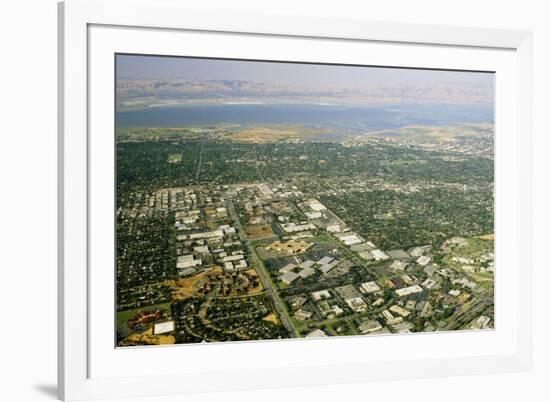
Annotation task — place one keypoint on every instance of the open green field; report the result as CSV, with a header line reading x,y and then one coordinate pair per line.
x,y
122,317
438,133
175,158
475,248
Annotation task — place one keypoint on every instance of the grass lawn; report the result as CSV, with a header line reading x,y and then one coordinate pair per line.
x,y
323,238
175,158
122,317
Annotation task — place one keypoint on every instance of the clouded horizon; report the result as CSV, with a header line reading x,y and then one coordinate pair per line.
x,y
316,75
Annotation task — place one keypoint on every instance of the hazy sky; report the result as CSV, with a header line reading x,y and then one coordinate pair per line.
x,y
155,67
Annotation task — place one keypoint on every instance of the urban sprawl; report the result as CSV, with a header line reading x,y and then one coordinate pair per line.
x,y
222,237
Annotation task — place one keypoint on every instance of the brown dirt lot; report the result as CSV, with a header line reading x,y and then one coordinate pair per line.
x,y
271,317
269,135
147,338
187,287
256,232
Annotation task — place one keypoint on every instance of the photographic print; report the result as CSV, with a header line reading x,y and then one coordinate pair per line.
x,y
267,200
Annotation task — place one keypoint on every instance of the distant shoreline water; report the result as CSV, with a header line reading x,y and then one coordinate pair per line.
x,y
360,117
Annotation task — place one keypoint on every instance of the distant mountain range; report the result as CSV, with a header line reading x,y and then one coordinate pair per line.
x,y
134,92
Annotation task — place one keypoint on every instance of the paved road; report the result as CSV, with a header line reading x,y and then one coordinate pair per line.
x,y
468,313
199,164
262,273
351,256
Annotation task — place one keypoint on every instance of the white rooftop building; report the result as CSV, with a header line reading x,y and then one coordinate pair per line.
x,y
304,273
201,249
206,235
163,327
482,322
316,205
313,215
293,227
327,267
231,258
337,310
429,283
287,268
242,264
409,291
289,277
318,333
418,251
357,304
303,315
423,260
368,327
321,294
370,287
307,264
390,318
351,239
399,310
366,255
398,265
188,263
379,255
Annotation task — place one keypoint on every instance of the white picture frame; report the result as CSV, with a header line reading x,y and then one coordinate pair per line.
x,y
81,23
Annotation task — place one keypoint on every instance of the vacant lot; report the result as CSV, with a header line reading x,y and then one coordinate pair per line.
x,y
271,318
272,134
147,338
258,232
187,287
